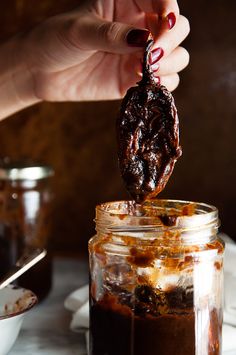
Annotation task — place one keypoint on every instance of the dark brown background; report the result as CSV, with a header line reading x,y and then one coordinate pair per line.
x,y
78,140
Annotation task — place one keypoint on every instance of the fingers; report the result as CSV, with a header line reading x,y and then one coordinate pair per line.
x,y
170,81
166,71
174,63
165,7
91,32
169,40
168,58
161,7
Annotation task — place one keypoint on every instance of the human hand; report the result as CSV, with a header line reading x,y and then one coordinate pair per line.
x,y
93,53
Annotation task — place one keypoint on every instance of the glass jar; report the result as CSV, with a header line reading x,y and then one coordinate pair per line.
x,y
156,279
25,203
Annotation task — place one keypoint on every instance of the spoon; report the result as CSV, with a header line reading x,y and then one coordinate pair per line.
x,y
29,258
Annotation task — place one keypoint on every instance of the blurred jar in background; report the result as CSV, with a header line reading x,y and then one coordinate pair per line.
x,y
25,208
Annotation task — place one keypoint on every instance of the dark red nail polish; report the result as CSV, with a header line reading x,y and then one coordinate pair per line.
x,y
137,38
156,55
155,66
171,20
157,79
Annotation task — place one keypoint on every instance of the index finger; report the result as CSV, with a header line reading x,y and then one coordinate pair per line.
x,y
160,7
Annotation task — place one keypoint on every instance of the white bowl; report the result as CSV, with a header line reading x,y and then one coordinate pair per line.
x,y
14,303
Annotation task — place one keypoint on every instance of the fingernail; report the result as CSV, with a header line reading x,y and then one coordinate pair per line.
x,y
156,55
155,66
137,38
157,79
171,20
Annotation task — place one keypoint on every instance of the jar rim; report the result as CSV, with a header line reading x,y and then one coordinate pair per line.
x,y
127,215
16,173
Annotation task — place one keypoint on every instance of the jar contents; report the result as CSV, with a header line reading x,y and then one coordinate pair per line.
x,y
152,294
151,323
148,135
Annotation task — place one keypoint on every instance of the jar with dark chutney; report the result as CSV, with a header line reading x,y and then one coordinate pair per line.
x,y
156,279
25,205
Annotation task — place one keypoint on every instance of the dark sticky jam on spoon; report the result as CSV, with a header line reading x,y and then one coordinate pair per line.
x,y
148,135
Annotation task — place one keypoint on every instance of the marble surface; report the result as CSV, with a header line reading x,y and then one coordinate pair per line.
x,y
46,328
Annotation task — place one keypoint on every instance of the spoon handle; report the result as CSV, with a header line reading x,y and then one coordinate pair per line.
x,y
29,258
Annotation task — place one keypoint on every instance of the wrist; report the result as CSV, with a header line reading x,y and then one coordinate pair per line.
x,y
16,84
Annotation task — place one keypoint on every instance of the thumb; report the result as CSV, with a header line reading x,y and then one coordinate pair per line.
x,y
94,33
